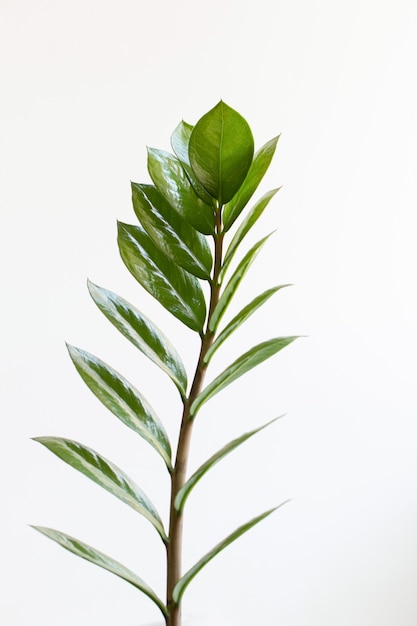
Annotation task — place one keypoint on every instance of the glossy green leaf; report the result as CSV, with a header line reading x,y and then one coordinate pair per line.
x,y
241,317
221,151
175,288
258,168
169,176
234,282
183,494
102,560
180,140
142,333
105,474
243,364
180,241
187,578
122,399
252,216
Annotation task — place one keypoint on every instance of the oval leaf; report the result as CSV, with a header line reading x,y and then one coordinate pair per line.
x,y
170,178
180,140
187,578
92,555
183,493
105,474
122,399
243,364
142,333
221,151
241,317
172,286
180,241
250,219
234,283
259,166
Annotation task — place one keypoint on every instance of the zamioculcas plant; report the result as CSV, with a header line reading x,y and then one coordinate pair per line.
x,y
186,237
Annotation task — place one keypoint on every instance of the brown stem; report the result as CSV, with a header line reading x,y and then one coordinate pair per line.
x,y
178,476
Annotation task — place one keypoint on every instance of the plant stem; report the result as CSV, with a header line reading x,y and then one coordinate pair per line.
x,y
178,476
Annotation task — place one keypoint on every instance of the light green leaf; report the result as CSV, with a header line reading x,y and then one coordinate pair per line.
x,y
187,578
259,166
234,283
183,494
221,151
243,364
122,399
180,140
169,176
241,317
250,219
176,289
143,333
175,237
102,560
105,474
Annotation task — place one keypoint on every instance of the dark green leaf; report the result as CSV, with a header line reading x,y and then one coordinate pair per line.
x,y
142,333
102,560
122,399
180,241
246,225
234,283
180,140
187,578
243,364
183,494
105,474
241,317
259,166
176,289
171,180
221,151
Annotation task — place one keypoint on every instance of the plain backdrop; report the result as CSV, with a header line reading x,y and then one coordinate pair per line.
x,y
85,86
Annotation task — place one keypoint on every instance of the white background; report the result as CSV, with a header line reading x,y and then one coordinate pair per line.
x,y
85,86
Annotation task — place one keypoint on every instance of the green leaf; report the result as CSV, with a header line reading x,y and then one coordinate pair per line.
x,y
180,140
234,283
172,182
175,237
176,289
183,493
143,333
221,151
102,560
122,399
259,166
250,219
187,578
241,317
105,474
243,364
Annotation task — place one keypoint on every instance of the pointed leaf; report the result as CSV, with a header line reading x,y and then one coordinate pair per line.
x,y
187,578
102,560
180,241
105,474
243,364
241,317
221,151
259,166
176,289
142,333
250,219
183,494
169,177
122,399
234,283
